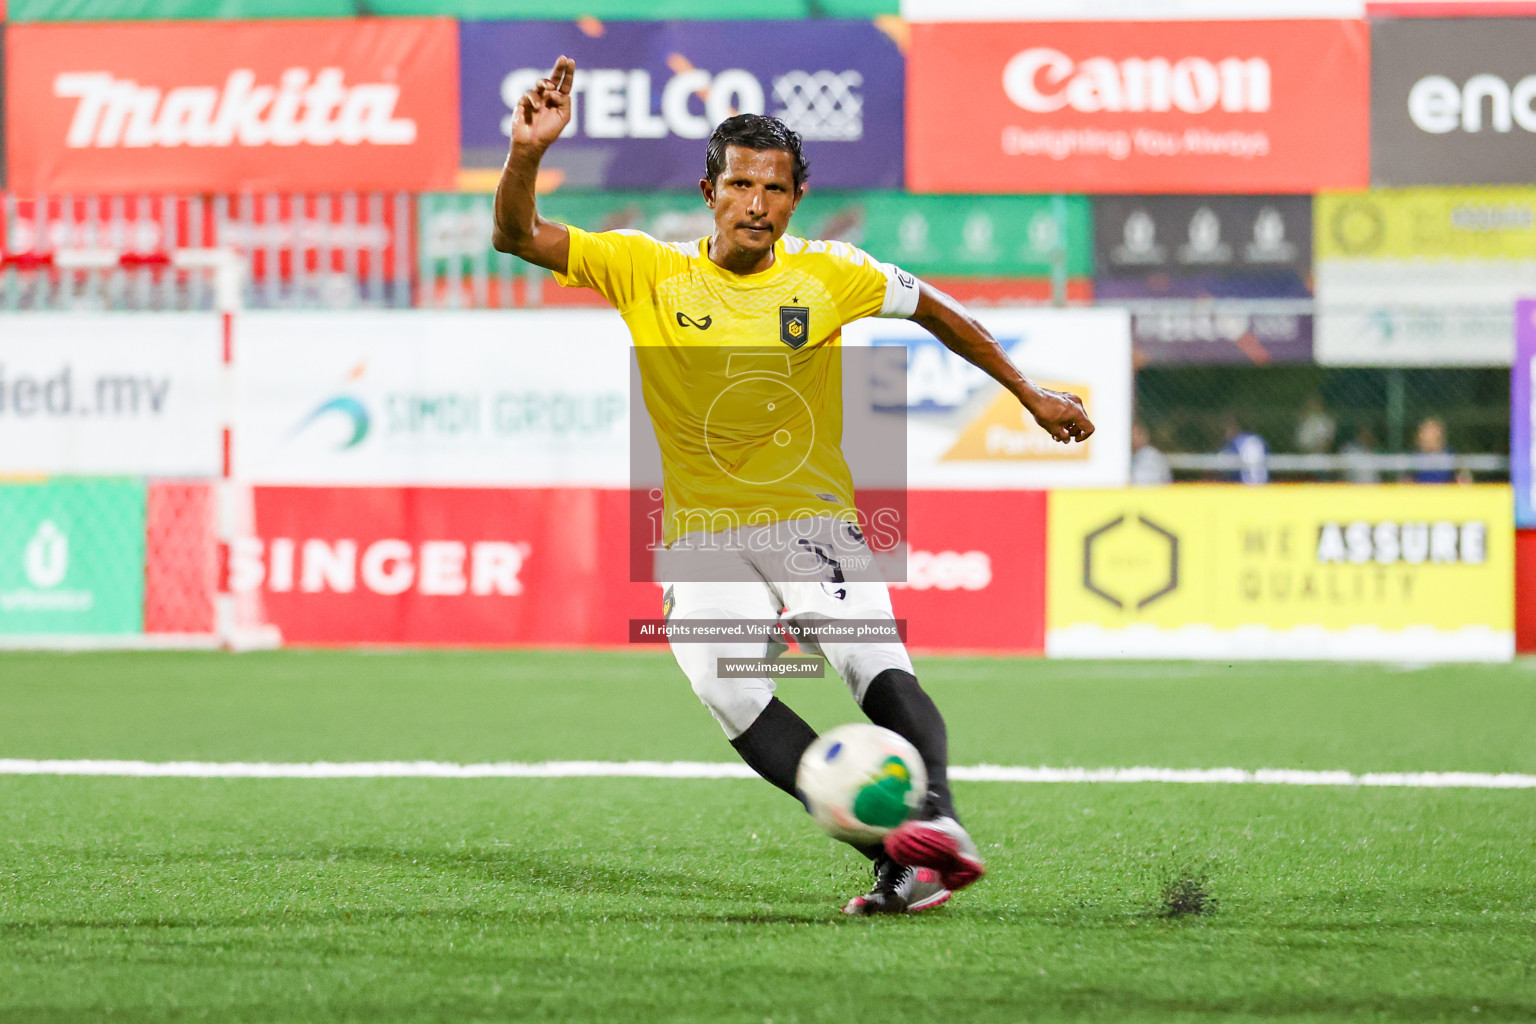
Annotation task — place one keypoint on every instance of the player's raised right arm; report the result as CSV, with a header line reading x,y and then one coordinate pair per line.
x,y
541,115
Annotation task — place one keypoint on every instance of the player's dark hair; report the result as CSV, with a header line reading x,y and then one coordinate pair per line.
x,y
754,131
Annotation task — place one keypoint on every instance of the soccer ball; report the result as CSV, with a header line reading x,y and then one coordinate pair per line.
x,y
860,781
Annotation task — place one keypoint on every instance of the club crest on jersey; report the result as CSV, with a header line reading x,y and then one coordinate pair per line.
x,y
794,325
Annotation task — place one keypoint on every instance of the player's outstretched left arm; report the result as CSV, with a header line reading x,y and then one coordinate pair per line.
x,y
1059,414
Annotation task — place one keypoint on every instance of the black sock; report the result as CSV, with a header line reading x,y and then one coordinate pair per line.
x,y
772,747
895,701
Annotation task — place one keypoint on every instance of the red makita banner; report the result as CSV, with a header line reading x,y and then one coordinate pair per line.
x,y
1176,106
208,106
417,565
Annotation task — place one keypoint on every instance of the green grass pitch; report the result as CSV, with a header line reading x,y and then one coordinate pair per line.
x,y
716,901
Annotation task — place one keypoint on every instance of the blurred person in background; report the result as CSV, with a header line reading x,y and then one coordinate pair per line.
x,y
1250,449
1316,429
1149,466
1357,453
749,285
1429,439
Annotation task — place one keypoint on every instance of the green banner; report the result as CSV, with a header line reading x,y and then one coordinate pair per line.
x,y
934,236
624,10
72,557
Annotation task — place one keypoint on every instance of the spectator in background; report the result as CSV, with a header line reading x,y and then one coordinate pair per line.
x,y
1429,439
1316,429
1357,453
1149,467
1251,451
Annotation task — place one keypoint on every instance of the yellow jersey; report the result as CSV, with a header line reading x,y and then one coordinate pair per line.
x,y
741,374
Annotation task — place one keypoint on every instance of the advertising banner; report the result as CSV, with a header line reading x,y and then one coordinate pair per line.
x,y
71,558
932,236
512,399
296,246
1451,101
1400,572
965,431
102,393
1209,278
217,106
1522,471
335,565
975,571
648,94
1422,277
1170,106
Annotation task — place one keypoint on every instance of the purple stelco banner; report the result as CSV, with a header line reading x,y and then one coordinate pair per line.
x,y
647,96
1521,473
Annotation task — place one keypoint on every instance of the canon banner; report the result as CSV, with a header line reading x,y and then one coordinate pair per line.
x,y
647,96
509,399
1209,278
104,393
214,106
1453,101
1238,106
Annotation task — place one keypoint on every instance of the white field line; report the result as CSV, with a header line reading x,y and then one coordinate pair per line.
x,y
723,770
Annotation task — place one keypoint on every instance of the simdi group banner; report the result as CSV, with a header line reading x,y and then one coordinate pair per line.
x,y
1453,101
1422,276
1138,107
1209,278
1405,572
647,95
965,431
104,393
224,107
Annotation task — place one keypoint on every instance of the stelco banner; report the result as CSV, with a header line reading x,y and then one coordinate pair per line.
x,y
229,107
1209,278
1220,106
104,393
1453,102
965,431
647,95
1403,572
1522,395
511,399
1422,276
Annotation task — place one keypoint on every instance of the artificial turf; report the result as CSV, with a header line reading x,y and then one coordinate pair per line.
x,y
631,899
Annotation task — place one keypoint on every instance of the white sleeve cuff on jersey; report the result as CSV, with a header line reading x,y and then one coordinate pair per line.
x,y
900,292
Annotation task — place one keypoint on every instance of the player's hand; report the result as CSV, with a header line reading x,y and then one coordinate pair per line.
x,y
1061,415
543,111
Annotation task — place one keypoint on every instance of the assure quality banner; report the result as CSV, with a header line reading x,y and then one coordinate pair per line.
x,y
1172,106
403,397
1422,276
223,106
965,431
104,393
1401,572
647,95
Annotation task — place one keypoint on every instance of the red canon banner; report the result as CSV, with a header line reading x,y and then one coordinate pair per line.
x,y
1178,106
220,106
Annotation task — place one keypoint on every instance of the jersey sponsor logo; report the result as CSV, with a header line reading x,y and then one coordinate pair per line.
x,y
684,320
794,325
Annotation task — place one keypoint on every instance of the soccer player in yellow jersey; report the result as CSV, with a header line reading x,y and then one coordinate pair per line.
x,y
737,338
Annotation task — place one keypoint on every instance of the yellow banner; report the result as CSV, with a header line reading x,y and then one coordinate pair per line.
x,y
1426,223
1301,560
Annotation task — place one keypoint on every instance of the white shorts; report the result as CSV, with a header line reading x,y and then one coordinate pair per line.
x,y
802,572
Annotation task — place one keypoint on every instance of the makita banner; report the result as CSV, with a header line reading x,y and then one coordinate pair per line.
x,y
1209,278
647,95
230,107
1452,101
1220,106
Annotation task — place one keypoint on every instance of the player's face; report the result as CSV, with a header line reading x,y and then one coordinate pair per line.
x,y
753,197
